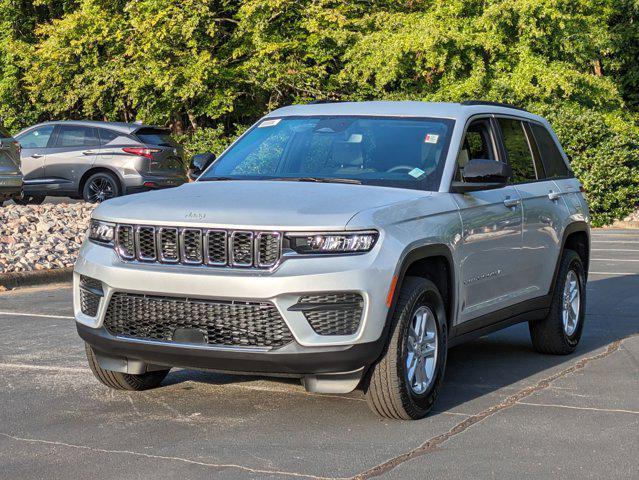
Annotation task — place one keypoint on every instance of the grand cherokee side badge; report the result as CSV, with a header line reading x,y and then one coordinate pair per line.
x,y
482,277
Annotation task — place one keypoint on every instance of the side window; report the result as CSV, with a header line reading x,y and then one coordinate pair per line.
x,y
107,136
550,155
477,144
36,138
77,136
519,154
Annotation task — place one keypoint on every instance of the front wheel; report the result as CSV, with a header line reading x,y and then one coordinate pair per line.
x,y
406,381
560,332
124,381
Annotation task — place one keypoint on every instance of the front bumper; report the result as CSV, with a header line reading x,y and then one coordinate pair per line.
x,y
292,359
369,275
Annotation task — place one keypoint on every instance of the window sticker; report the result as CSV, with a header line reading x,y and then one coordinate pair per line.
x,y
431,138
269,123
416,172
355,138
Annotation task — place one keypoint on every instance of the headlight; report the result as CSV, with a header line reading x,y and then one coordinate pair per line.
x,y
101,232
317,243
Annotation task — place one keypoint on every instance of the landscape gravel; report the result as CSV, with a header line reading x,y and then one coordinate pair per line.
x,y
41,237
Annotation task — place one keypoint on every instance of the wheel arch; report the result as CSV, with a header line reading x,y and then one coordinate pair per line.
x,y
576,236
92,170
433,262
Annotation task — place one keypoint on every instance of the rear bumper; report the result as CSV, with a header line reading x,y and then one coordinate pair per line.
x,y
143,183
293,359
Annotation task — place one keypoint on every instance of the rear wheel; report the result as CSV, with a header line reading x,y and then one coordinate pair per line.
x,y
101,186
560,332
26,199
406,381
124,381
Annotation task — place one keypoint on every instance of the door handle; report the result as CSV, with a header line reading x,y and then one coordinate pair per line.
x,y
511,202
37,155
88,152
554,196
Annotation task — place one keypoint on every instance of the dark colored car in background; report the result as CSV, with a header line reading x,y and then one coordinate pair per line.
x,y
10,176
97,160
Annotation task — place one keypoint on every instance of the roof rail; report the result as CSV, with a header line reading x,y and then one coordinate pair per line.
x,y
325,100
493,104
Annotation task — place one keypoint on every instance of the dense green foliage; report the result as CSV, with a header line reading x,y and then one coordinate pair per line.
x,y
207,67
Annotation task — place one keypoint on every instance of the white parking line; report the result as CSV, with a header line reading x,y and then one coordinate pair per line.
x,y
43,368
615,241
611,410
613,250
613,273
614,260
23,314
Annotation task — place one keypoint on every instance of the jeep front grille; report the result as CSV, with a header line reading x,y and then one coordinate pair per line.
x,y
217,322
198,246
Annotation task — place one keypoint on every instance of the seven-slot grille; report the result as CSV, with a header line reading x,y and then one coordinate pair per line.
x,y
198,246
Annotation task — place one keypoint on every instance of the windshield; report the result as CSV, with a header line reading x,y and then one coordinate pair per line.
x,y
393,152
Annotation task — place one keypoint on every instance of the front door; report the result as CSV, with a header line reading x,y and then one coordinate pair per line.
x,y
34,150
490,246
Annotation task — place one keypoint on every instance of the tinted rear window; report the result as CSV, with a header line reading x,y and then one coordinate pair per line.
x,y
76,136
155,136
550,155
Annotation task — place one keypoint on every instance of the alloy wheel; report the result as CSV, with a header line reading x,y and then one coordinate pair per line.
x,y
571,303
100,189
421,350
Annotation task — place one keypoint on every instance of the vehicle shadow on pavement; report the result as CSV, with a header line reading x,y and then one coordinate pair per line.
x,y
503,361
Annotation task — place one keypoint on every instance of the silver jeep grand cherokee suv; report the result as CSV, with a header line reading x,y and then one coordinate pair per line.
x,y
97,160
345,244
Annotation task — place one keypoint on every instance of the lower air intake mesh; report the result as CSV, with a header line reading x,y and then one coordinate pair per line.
x,y
236,324
337,313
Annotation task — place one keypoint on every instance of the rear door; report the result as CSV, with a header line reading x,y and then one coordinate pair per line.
x,y
559,172
34,145
168,156
73,153
543,211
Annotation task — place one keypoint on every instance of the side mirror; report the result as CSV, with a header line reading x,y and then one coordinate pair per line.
x,y
482,174
199,163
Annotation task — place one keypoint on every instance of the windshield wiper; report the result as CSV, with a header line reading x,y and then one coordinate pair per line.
x,y
317,179
215,179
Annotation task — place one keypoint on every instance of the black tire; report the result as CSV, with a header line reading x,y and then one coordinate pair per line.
x,y
29,199
101,186
388,389
549,335
124,381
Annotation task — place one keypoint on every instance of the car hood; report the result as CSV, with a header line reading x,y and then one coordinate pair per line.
x,y
272,205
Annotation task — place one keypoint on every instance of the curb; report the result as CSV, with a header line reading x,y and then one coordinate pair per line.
x,y
622,224
36,277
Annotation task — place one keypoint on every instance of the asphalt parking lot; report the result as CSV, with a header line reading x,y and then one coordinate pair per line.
x,y
505,411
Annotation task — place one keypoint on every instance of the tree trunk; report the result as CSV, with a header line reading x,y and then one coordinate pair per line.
x,y
598,68
193,120
177,126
